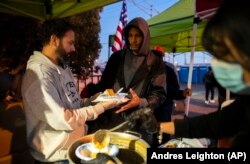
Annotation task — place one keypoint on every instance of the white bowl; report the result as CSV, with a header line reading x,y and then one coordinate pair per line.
x,y
112,151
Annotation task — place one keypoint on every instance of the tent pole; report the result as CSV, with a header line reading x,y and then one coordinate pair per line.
x,y
173,58
190,73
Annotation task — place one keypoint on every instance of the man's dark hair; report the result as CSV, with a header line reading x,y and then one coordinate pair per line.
x,y
57,27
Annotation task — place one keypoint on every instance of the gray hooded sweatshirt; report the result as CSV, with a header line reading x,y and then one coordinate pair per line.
x,y
54,114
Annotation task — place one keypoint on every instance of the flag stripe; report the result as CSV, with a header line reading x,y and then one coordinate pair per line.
x,y
118,39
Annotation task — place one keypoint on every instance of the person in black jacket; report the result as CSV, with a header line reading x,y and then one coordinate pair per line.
x,y
136,69
222,93
164,112
226,37
209,86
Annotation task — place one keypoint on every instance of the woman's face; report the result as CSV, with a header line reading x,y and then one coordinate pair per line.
x,y
236,56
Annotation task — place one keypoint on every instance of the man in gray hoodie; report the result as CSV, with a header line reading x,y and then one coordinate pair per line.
x,y
54,112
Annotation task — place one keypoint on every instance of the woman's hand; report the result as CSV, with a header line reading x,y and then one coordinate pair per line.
x,y
167,127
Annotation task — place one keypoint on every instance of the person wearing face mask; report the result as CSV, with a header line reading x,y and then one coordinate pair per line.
x,y
138,70
226,37
55,114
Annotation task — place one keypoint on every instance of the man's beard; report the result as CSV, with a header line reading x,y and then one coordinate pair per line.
x,y
63,58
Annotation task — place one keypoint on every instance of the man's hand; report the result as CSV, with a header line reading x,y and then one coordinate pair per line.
x,y
109,104
134,102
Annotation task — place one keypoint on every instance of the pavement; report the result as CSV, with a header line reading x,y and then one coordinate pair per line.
x,y
197,104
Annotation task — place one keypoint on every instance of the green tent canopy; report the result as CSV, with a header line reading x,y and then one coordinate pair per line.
x,y
48,9
173,28
179,29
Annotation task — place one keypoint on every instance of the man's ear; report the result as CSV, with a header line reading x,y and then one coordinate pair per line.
x,y
54,40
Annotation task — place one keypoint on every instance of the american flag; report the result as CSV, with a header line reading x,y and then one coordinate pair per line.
x,y
118,39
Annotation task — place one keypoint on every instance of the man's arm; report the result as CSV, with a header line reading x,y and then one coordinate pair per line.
x,y
43,100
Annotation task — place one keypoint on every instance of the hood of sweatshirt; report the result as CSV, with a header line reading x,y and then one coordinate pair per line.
x,y
142,25
39,58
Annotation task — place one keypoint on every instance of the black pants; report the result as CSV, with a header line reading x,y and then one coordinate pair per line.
x,y
209,88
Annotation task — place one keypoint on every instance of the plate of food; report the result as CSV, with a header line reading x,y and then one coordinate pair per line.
x,y
100,144
186,143
109,94
85,151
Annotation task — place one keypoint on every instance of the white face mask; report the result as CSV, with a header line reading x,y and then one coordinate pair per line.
x,y
230,76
